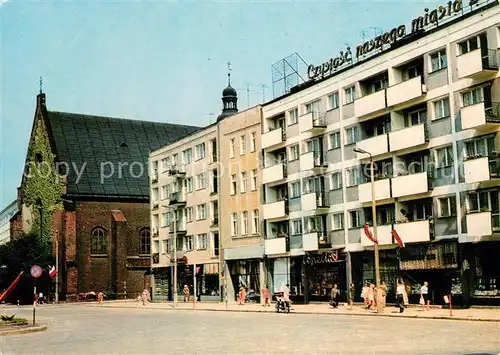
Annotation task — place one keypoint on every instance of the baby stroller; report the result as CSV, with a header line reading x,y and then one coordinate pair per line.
x,y
282,306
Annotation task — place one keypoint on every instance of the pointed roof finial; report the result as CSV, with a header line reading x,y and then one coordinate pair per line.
x,y
41,85
229,73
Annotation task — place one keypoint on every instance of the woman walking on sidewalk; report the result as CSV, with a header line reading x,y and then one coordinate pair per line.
x,y
424,296
401,296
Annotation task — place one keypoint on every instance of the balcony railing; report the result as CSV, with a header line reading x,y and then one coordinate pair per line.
x,y
479,116
375,145
180,227
408,137
273,137
480,168
315,239
274,210
176,198
476,63
405,91
312,200
176,170
370,104
276,246
274,173
479,224
411,184
312,121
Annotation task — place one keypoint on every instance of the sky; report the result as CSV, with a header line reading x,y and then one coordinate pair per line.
x,y
162,61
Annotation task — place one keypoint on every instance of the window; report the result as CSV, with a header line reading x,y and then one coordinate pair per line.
x,y
378,84
355,219
167,245
350,95
164,219
189,184
189,214
468,45
201,241
231,148
164,164
447,206
156,223
200,151
189,242
187,156
201,182
479,200
297,226
293,117
253,183
98,242
353,176
233,184
255,221
175,159
145,241
351,135
480,147
336,180
416,117
295,189
234,224
472,97
438,60
244,223
442,108
444,156
201,211
333,100
252,141
335,140
154,194
243,145
243,182
315,223
164,192
313,107
293,152
337,221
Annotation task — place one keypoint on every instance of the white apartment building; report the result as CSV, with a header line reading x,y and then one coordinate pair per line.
x,y
426,106
184,216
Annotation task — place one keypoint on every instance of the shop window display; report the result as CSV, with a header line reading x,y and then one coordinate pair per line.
x,y
246,273
207,280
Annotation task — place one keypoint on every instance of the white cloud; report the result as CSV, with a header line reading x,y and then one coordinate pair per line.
x,y
3,2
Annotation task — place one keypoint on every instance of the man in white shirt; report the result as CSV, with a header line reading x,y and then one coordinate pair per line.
x,y
285,290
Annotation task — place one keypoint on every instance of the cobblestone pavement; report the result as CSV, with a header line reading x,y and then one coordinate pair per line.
x,y
118,330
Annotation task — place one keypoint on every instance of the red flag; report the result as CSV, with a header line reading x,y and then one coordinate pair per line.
x,y
398,239
11,287
369,234
52,272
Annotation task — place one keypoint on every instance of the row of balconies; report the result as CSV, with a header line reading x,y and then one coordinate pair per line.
x,y
479,224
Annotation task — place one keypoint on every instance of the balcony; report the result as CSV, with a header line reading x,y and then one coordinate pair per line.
x,y
176,199
479,169
311,160
413,232
275,210
178,228
477,64
405,91
382,191
412,184
313,200
312,122
369,104
479,224
479,117
176,171
384,236
315,240
375,145
273,138
275,246
408,137
274,173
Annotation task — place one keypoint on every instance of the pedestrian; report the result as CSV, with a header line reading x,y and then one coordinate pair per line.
x,y
401,296
40,297
242,295
371,297
424,296
265,296
383,294
365,294
334,294
285,292
145,297
352,292
100,297
186,293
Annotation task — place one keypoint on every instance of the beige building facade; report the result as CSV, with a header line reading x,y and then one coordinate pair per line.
x,y
240,226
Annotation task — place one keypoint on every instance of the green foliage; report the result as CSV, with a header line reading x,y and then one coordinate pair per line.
x,y
7,318
42,183
11,321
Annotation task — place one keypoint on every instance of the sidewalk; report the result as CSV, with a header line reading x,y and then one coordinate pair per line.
x,y
473,314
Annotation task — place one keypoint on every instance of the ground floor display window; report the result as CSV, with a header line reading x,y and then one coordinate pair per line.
x,y
281,273
162,283
207,280
322,277
245,273
185,277
487,270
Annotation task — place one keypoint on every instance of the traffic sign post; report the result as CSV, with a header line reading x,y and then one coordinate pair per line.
x,y
36,272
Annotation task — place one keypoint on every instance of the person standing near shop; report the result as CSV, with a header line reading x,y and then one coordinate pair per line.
x,y
424,296
401,296
265,296
352,292
334,294
383,293
186,293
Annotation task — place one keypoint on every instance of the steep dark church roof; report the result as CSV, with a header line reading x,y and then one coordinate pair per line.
x,y
105,145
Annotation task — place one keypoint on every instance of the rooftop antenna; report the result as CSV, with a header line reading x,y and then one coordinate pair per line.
x,y
229,73
210,115
41,85
248,95
264,93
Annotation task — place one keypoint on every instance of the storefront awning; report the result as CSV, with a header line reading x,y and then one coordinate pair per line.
x,y
247,252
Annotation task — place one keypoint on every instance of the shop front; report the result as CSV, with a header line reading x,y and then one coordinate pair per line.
x,y
325,270
161,285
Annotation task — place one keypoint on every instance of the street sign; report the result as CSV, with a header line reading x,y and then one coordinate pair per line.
x,y
36,271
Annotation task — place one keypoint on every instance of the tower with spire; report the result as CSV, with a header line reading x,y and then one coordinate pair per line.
x,y
229,98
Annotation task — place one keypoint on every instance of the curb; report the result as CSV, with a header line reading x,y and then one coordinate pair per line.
x,y
32,329
319,313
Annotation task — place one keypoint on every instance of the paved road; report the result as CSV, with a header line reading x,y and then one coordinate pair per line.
x,y
94,330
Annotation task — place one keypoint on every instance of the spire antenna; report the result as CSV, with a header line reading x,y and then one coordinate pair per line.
x,y
41,85
229,73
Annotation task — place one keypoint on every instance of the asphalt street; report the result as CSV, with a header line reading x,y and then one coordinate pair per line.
x,y
94,330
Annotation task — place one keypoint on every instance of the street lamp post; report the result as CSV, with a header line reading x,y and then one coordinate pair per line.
x,y
174,224
375,236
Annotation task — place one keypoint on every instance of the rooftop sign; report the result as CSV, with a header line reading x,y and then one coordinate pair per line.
x,y
431,19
